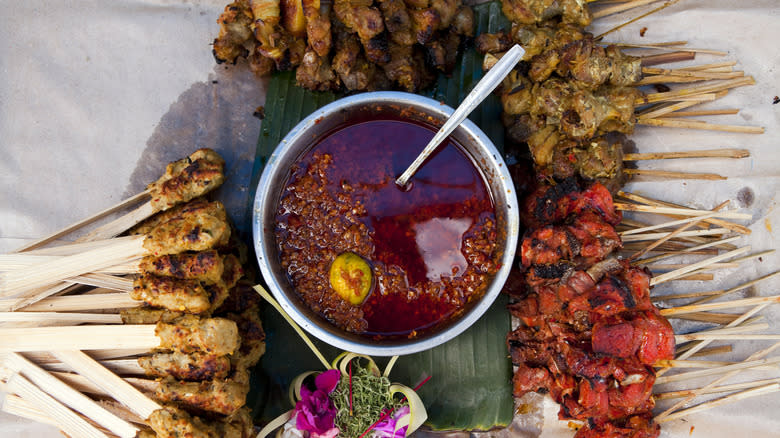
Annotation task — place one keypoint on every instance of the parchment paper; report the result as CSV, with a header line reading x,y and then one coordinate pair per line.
x,y
97,96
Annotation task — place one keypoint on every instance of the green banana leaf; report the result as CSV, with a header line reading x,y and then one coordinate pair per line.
x,y
470,385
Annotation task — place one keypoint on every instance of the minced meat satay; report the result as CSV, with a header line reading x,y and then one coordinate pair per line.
x,y
187,179
252,338
192,366
536,11
235,37
194,207
190,232
315,72
318,27
397,21
221,396
148,315
204,266
187,296
355,72
368,23
189,334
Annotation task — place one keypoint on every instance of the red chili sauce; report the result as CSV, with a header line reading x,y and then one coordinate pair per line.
x,y
431,246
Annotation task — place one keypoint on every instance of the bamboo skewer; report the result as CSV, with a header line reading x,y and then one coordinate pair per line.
x,y
656,236
716,65
768,389
693,267
704,352
92,337
718,306
673,266
635,19
698,364
717,389
716,371
687,223
738,288
666,58
708,317
624,6
84,222
60,317
674,223
680,211
692,91
40,275
67,395
745,337
122,367
67,420
674,175
75,303
697,124
717,332
686,251
711,153
109,382
120,224
753,357
15,405
721,112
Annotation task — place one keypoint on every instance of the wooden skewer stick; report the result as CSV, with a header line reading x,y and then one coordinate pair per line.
x,y
673,266
655,236
667,58
700,364
18,281
736,288
704,352
688,223
711,66
686,251
84,222
745,337
711,153
674,223
674,175
679,211
742,329
60,317
635,19
664,109
15,405
688,78
682,271
70,422
67,395
652,202
675,47
109,382
686,347
716,371
717,389
709,317
122,367
44,358
624,6
762,390
692,91
93,337
719,306
753,357
738,260
696,277
721,112
120,224
75,303
697,124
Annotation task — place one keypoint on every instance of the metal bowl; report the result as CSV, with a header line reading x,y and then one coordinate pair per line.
x,y
306,134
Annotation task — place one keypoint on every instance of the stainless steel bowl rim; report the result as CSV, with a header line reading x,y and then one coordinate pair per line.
x,y
368,346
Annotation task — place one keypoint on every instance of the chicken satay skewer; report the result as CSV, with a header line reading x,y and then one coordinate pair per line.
x,y
218,336
67,395
183,180
192,232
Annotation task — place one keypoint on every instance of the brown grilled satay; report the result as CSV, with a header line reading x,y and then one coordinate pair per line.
x,y
536,11
366,20
192,366
318,27
315,72
147,315
194,207
220,396
171,422
187,296
350,64
204,266
397,21
425,22
187,179
235,37
189,334
252,338
191,232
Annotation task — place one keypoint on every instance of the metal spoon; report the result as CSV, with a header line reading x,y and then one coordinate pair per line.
x,y
484,87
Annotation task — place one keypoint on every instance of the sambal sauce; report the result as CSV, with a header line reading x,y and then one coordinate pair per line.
x,y
431,246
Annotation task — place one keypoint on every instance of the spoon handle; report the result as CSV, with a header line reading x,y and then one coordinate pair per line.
x,y
484,87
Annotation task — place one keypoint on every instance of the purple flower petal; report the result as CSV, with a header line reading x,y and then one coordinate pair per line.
x,y
328,380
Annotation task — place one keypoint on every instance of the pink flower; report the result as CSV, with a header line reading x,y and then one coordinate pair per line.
x,y
315,412
386,428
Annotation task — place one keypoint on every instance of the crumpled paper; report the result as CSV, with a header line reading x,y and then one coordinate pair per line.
x,y
97,96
